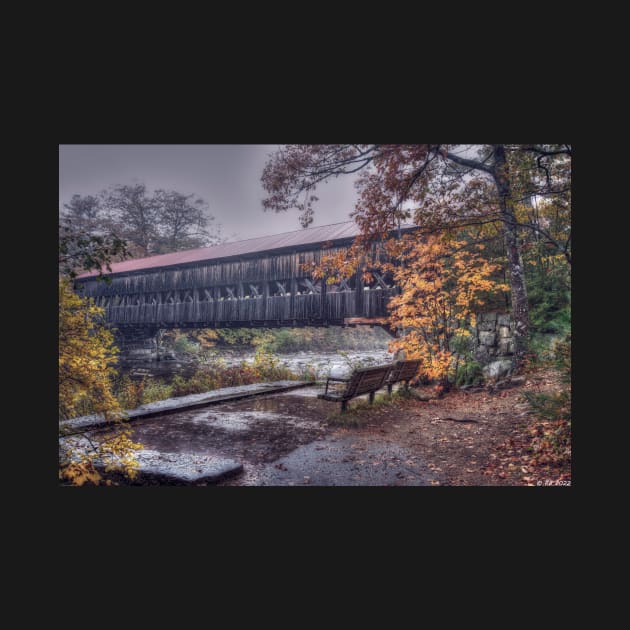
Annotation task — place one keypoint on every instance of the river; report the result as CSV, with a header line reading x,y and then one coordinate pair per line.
x,y
324,364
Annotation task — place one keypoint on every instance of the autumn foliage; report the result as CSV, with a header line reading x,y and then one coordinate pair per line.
x,y
87,355
442,188
443,284
86,366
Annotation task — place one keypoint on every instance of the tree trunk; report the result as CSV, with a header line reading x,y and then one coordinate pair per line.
x,y
520,305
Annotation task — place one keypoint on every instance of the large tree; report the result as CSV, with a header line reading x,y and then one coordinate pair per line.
x,y
133,214
438,187
84,212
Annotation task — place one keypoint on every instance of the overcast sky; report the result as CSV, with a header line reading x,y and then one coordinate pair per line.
x,y
227,177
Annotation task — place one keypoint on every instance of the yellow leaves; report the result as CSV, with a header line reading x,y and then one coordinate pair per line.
x,y
442,282
205,337
87,357
86,354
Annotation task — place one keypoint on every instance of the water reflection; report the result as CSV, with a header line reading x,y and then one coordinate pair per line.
x,y
260,428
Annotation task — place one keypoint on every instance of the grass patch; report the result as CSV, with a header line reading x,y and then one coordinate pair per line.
x,y
155,390
131,393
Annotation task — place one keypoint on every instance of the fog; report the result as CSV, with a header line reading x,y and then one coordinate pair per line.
x,y
227,177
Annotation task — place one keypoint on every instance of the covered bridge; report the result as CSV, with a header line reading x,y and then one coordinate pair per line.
x,y
261,281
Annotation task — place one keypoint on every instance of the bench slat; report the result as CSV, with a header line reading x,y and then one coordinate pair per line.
x,y
404,370
370,380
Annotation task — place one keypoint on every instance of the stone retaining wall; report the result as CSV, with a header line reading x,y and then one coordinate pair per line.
x,y
493,337
493,344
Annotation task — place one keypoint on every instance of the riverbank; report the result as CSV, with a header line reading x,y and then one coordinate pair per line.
x,y
320,364
181,403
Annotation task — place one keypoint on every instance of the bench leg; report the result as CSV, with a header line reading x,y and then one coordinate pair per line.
x,y
344,406
389,389
372,397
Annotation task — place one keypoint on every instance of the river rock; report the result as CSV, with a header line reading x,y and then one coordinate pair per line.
x,y
338,370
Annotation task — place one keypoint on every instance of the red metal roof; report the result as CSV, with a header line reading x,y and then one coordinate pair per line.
x,y
321,234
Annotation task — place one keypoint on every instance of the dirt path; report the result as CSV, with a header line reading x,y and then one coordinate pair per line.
x,y
463,439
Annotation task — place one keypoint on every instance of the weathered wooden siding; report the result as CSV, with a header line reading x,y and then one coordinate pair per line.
x,y
332,308
263,290
262,269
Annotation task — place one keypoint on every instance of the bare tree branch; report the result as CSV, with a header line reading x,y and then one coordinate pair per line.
x,y
474,164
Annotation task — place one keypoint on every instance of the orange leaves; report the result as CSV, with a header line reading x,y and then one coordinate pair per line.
x,y
335,266
442,282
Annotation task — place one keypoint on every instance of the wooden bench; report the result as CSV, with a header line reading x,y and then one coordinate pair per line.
x,y
402,371
363,381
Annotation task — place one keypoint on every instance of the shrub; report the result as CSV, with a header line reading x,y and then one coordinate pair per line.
x,y
307,372
128,392
155,390
469,372
210,377
183,345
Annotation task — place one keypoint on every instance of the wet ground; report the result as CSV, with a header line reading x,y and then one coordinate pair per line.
x,y
282,439
466,438
340,460
181,403
254,431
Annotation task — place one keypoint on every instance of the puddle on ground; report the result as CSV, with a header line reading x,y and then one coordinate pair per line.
x,y
258,429
281,439
243,420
